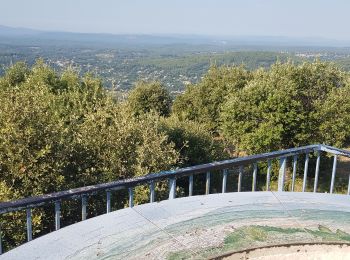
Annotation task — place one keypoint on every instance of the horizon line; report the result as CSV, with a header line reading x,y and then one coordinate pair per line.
x,y
159,34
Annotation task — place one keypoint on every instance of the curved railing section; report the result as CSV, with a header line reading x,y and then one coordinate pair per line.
x,y
28,204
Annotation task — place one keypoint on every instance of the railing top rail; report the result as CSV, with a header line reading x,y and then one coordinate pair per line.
x,y
334,150
122,184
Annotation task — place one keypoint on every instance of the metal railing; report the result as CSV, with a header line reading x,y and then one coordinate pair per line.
x,y
28,204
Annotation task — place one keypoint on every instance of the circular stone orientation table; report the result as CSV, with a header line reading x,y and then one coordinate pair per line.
x,y
202,227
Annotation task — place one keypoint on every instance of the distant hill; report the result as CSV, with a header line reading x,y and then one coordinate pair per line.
x,y
8,33
31,36
12,31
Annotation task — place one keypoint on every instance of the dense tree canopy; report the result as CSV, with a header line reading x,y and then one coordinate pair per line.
x,y
63,130
194,142
284,107
202,102
149,96
59,132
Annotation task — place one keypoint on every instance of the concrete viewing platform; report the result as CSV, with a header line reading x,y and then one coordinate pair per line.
x,y
205,226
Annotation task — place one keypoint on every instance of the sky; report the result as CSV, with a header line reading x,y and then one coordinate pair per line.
x,y
292,18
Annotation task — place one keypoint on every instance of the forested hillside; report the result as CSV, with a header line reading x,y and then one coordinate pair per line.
x,y
60,130
121,65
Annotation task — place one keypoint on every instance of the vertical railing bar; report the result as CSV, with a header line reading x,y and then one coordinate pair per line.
x,y
57,215
255,171
131,197
306,165
108,201
207,184
349,186
190,186
240,175
295,161
282,173
224,180
317,170
29,224
152,193
333,173
172,188
1,239
268,177
83,207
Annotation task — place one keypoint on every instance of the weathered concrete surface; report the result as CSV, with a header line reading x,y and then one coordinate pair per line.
x,y
198,227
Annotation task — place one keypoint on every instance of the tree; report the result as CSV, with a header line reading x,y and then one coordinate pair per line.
x,y
335,114
202,102
15,75
149,96
193,140
279,108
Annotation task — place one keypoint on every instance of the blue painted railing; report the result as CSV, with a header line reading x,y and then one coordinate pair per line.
x,y
28,204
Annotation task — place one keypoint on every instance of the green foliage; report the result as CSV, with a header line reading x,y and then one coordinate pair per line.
x,y
335,114
284,107
30,135
146,97
202,102
193,140
15,74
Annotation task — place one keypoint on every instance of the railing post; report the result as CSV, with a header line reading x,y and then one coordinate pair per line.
x,y
57,215
131,197
224,180
282,173
333,173
239,185
172,188
349,186
190,186
255,172
268,176
0,239
317,170
83,207
295,161
207,184
306,166
152,193
29,224
108,201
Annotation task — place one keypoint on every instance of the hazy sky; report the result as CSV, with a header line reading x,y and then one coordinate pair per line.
x,y
300,18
